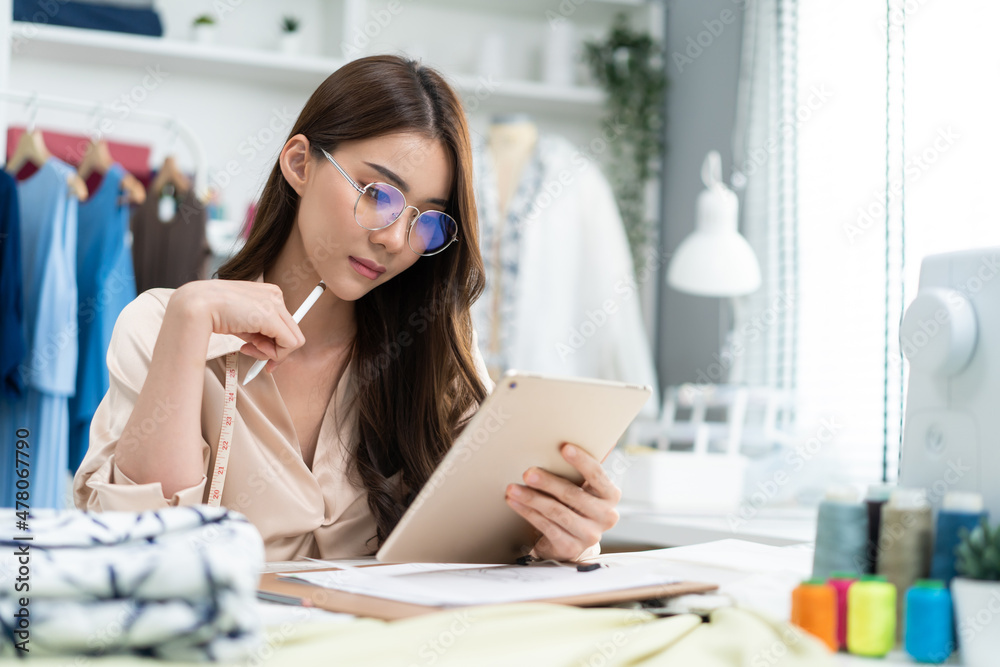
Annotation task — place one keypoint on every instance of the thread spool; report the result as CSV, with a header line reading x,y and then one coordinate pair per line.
x,y
814,609
930,633
877,496
959,509
840,582
905,544
871,616
841,534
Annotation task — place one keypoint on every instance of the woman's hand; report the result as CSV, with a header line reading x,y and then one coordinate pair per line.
x,y
570,518
250,310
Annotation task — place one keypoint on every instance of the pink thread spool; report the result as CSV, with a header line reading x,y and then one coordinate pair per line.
x,y
841,581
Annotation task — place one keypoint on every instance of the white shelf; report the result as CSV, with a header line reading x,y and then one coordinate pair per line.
x,y
98,47
92,47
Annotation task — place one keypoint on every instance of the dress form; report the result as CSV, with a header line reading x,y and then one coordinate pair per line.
x,y
512,141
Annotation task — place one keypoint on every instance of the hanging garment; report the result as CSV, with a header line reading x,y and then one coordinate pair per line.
x,y
561,294
105,285
12,344
169,253
48,259
178,583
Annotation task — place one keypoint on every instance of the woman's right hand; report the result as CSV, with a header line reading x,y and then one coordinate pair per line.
x,y
250,310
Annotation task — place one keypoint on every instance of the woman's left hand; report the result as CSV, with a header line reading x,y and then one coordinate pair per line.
x,y
570,518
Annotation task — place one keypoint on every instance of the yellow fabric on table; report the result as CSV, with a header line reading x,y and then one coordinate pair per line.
x,y
526,635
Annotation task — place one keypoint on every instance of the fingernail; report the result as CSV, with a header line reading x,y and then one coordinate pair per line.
x,y
532,477
570,450
517,492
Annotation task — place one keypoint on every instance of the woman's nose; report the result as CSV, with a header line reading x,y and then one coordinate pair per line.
x,y
393,237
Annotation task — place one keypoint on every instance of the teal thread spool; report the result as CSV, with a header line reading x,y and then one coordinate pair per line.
x,y
905,544
929,627
841,534
959,509
871,616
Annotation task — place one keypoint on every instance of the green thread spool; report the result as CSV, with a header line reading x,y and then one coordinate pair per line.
x,y
905,544
871,616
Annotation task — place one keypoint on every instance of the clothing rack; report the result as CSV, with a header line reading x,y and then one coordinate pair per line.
x,y
157,118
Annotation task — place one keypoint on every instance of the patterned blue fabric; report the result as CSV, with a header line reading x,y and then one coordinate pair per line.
x,y
178,583
105,285
12,345
500,242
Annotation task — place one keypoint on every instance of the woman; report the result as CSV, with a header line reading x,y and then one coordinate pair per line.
x,y
363,398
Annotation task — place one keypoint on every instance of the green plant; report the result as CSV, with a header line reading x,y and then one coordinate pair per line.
x,y
290,24
204,19
629,66
978,552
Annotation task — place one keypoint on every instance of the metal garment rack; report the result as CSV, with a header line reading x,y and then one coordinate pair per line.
x,y
169,122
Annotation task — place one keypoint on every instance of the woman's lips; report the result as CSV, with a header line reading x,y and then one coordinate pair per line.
x,y
364,270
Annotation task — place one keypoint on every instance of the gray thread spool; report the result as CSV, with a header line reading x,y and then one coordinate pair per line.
x,y
904,549
841,533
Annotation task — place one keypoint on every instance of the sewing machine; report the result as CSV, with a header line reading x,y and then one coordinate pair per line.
x,y
950,334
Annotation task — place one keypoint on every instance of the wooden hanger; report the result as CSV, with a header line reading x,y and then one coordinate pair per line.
x,y
31,148
98,158
170,174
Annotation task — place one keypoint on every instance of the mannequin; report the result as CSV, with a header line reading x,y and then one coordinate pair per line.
x,y
512,142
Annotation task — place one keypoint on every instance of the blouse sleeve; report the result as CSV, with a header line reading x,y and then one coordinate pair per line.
x,y
99,485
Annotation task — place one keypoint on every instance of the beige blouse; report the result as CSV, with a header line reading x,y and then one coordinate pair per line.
x,y
300,512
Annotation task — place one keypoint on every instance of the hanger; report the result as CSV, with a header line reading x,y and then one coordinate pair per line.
x,y
98,158
170,174
31,148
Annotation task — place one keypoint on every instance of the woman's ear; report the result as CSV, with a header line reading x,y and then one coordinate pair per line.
x,y
294,161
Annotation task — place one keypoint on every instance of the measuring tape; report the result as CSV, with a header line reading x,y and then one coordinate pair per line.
x,y
226,435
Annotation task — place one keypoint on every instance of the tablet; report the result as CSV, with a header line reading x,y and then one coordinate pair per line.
x,y
460,515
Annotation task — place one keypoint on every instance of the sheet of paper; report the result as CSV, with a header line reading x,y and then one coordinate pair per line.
x,y
489,585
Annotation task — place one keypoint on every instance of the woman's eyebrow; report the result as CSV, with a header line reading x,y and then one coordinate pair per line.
x,y
400,183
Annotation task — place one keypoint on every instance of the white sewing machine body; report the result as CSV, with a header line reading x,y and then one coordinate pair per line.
x,y
951,336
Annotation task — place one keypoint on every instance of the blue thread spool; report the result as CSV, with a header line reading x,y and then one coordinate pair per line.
x,y
841,534
929,630
959,510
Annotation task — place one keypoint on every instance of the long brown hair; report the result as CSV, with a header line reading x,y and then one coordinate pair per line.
x,y
412,354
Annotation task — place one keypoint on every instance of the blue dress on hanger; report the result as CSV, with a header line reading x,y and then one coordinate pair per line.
x,y
48,259
105,285
11,300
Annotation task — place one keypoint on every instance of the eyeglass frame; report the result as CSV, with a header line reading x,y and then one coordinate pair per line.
x,y
361,191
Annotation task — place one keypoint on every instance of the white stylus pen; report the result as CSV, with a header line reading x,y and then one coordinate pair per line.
x,y
299,314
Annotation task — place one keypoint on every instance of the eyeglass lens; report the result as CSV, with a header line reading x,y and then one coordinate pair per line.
x,y
381,204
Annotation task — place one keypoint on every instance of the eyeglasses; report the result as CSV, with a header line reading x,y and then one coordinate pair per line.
x,y
380,204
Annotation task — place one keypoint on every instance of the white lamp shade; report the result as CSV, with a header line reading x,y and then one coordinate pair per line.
x,y
714,264
715,260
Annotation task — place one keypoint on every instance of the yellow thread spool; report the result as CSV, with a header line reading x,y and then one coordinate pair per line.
x,y
871,616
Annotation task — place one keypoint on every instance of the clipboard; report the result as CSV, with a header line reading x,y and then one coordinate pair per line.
x,y
280,589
